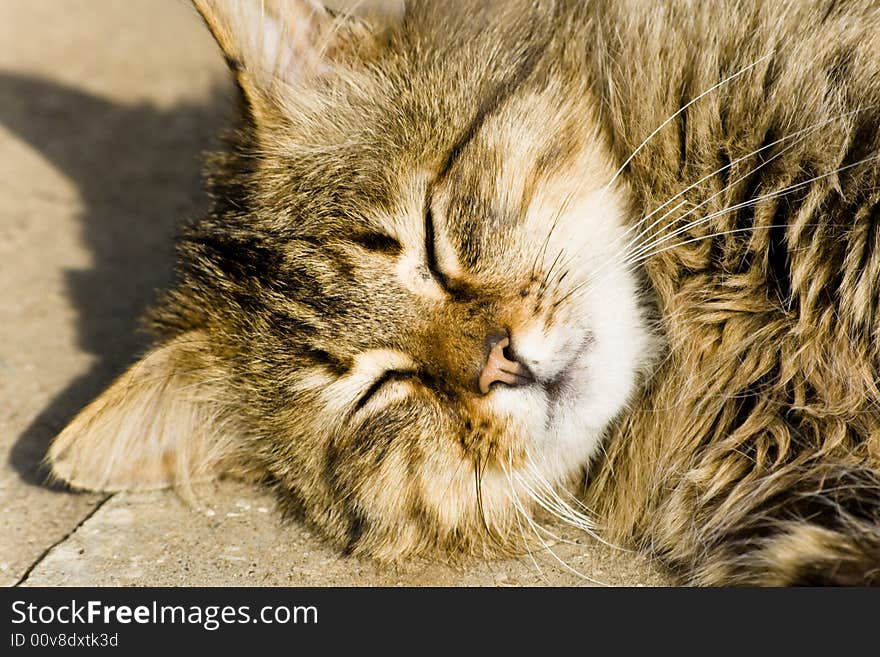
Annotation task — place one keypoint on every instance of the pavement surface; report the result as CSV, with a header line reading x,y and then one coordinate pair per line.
x,y
105,107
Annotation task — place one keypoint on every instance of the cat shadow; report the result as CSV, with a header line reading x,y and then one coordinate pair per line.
x,y
136,168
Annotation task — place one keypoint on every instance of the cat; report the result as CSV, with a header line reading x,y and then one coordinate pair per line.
x,y
468,260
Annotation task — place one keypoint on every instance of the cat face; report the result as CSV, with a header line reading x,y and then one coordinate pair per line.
x,y
407,307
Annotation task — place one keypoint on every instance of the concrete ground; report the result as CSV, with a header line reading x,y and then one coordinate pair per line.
x,y
104,109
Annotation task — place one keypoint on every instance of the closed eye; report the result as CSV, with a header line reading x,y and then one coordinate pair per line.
x,y
456,288
389,376
431,249
377,242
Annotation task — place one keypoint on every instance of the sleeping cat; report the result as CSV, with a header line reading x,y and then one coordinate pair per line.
x,y
464,256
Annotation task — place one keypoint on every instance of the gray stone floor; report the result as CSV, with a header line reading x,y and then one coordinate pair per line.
x,y
104,108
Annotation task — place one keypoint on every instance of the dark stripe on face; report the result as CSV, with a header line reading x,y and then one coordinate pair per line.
x,y
378,242
292,327
315,248
299,283
335,470
356,529
240,254
437,386
488,107
338,366
457,289
234,64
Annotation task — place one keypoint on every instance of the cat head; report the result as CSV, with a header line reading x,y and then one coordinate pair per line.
x,y
406,307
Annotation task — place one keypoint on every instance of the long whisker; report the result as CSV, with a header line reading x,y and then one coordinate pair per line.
x,y
546,280
551,502
554,492
726,80
660,127
541,255
612,260
554,509
574,498
641,254
537,529
640,223
478,485
559,507
732,231
758,199
520,512
803,132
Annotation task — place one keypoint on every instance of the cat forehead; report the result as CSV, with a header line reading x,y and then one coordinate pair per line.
x,y
435,82
482,135
372,166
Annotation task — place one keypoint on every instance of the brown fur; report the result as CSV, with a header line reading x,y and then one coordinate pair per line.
x,y
753,453
753,457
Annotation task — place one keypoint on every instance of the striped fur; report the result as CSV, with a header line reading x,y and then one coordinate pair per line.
x,y
403,185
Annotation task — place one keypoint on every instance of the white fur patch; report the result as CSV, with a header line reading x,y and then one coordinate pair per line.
x,y
413,274
597,341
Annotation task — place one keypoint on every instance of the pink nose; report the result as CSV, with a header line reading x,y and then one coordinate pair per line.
x,y
499,369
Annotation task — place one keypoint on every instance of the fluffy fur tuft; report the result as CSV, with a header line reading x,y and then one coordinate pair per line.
x,y
753,457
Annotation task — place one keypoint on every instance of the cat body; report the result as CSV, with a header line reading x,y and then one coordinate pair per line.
x,y
755,452
460,255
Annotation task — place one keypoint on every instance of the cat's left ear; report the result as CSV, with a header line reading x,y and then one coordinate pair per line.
x,y
270,44
161,423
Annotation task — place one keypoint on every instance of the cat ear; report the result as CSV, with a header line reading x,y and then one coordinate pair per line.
x,y
157,425
268,43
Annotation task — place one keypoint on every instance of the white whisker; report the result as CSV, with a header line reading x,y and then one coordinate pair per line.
x,y
750,202
561,509
682,109
645,252
614,259
537,529
522,533
798,133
